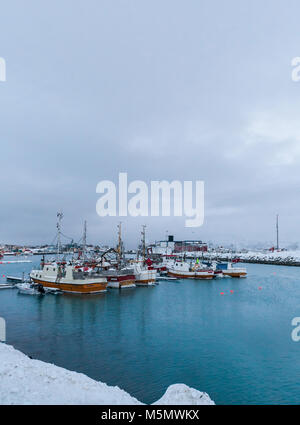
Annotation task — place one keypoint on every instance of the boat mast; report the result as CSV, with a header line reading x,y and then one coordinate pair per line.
x,y
119,247
167,242
144,242
59,216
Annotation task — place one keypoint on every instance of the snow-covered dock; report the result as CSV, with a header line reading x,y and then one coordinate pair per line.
x,y
27,381
5,286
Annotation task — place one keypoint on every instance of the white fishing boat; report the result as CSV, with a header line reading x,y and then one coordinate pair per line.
x,y
118,275
185,270
120,279
228,270
66,277
145,274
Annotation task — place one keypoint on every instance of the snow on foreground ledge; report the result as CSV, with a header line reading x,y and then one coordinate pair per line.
x,y
181,394
27,381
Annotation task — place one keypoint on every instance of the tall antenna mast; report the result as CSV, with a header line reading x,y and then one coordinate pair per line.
x,y
277,233
84,240
59,216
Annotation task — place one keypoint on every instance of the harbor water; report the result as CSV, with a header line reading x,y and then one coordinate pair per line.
x,y
228,337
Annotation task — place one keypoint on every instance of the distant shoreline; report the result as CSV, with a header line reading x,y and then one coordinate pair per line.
x,y
274,262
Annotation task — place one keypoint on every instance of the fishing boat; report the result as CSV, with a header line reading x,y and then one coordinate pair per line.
x,y
145,274
119,276
183,269
120,279
64,276
69,279
229,270
218,273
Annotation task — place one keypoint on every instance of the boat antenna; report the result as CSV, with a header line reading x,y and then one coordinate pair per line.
x,y
59,216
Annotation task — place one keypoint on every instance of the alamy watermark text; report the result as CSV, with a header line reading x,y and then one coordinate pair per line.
x,y
296,331
2,70
187,201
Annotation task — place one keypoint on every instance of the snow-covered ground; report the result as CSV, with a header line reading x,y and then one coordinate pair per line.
x,y
276,256
181,394
27,381
284,257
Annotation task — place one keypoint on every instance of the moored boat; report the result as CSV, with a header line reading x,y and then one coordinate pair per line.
x,y
119,276
182,269
120,279
30,289
145,273
227,269
68,279
58,275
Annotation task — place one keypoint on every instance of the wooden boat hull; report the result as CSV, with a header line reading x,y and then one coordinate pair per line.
x,y
85,288
233,273
145,282
191,275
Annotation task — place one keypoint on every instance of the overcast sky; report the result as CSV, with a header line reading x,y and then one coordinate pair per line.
x,y
185,90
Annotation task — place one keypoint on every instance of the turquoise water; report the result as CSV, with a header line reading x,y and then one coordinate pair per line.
x,y
237,347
